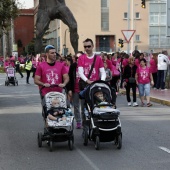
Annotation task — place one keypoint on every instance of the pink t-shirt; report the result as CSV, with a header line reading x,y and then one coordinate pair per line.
x,y
114,61
51,74
125,62
8,64
143,75
137,62
86,63
153,66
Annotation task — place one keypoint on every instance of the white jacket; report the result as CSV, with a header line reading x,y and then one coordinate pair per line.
x,y
163,62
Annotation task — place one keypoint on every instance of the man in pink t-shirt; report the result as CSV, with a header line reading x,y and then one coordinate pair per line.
x,y
85,62
51,72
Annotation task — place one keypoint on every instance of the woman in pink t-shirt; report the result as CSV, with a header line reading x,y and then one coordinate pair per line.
x,y
8,63
154,68
143,80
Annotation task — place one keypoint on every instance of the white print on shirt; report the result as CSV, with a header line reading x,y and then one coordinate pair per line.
x,y
52,77
87,70
144,74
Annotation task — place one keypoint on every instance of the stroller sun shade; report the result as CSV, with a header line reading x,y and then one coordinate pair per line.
x,y
100,86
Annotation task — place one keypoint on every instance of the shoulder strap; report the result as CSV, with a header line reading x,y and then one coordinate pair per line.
x,y
92,66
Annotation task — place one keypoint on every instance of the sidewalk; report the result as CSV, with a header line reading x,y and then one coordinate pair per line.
x,y
158,96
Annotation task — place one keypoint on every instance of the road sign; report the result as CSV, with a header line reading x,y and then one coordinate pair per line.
x,y
128,34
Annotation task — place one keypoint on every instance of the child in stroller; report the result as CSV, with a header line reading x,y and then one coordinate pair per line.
x,y
103,123
58,119
57,115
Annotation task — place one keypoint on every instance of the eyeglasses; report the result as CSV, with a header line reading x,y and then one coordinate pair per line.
x,y
87,46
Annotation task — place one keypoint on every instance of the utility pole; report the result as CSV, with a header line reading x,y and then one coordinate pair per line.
x,y
128,45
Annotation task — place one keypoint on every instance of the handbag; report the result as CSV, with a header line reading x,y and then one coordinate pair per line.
x,y
82,83
131,79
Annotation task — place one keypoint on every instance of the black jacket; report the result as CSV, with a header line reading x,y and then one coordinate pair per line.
x,y
129,72
72,76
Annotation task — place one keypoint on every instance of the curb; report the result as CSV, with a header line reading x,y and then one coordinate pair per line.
x,y
153,99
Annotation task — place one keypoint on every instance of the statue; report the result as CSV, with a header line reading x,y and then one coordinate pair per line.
x,y
50,10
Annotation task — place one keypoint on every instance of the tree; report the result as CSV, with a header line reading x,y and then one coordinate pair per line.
x,y
8,10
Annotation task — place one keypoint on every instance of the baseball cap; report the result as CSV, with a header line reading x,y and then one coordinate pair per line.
x,y
49,47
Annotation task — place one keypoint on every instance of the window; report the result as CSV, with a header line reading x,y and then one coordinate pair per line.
x,y
125,15
137,15
137,37
104,15
104,3
154,18
105,21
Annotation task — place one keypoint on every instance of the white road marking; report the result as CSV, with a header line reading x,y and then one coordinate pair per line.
x,y
87,159
164,149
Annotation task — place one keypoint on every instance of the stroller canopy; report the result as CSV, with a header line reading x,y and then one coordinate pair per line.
x,y
57,95
109,93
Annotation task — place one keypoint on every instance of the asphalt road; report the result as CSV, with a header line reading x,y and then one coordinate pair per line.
x,y
146,137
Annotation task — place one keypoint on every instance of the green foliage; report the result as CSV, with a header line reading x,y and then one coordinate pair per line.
x,y
30,48
8,10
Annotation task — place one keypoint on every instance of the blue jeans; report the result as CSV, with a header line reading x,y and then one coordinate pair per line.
x,y
144,89
76,103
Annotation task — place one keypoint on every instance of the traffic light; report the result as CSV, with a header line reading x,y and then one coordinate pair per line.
x,y
143,5
120,43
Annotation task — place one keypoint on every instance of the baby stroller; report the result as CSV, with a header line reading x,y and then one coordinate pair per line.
x,y
11,78
56,131
102,123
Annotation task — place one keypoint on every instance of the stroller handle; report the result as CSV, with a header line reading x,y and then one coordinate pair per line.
x,y
51,86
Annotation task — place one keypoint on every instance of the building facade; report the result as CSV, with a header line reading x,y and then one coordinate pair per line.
x,y
24,29
106,21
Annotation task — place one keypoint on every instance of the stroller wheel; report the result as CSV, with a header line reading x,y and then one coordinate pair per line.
x,y
51,145
40,140
119,142
85,136
97,143
70,143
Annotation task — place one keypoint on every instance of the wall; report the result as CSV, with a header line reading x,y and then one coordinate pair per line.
x,y
24,28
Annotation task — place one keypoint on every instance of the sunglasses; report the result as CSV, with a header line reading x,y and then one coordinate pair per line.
x,y
88,46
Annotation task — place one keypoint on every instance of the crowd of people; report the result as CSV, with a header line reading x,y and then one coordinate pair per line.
x,y
138,71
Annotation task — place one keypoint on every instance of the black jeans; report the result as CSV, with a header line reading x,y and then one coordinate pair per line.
x,y
18,70
161,78
128,87
154,75
28,75
33,70
114,81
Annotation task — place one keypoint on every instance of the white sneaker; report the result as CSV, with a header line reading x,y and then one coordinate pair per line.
x,y
164,89
135,104
129,103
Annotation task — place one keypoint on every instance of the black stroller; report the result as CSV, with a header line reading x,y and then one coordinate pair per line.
x,y
102,123
54,131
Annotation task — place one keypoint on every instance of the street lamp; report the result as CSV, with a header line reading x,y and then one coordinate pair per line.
x,y
65,50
